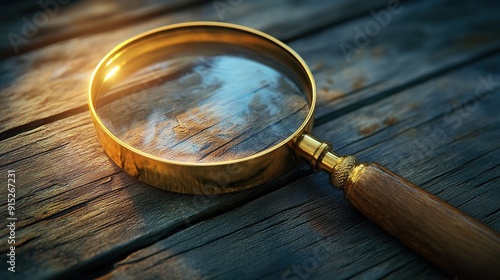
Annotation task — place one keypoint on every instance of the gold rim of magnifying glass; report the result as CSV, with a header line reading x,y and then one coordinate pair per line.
x,y
193,177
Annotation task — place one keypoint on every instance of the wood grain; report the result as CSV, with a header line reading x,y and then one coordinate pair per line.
x,y
298,222
25,28
74,207
61,71
447,237
75,199
81,215
344,85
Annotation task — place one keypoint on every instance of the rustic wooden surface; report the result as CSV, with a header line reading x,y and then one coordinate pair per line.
x,y
420,97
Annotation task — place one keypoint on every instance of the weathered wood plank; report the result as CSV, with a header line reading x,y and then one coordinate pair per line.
x,y
80,199
422,40
28,25
306,229
300,232
70,19
52,81
76,182
350,85
80,202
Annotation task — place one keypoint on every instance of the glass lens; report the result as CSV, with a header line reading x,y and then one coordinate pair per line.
x,y
204,103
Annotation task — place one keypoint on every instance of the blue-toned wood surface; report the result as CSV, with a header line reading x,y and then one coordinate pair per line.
x,y
413,86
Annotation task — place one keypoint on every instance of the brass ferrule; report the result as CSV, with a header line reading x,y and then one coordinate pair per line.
x,y
321,157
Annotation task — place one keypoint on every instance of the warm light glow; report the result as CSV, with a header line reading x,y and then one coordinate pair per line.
x,y
111,60
112,72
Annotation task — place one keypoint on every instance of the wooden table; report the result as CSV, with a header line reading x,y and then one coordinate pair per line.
x,y
413,86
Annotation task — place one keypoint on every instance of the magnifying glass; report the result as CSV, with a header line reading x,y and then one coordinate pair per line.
x,y
210,108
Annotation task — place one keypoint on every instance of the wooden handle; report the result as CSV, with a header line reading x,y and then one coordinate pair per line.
x,y
442,234
439,232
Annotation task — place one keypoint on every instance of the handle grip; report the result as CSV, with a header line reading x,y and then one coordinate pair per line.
x,y
447,237
442,234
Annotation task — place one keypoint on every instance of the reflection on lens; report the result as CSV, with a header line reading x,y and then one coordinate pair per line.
x,y
204,104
